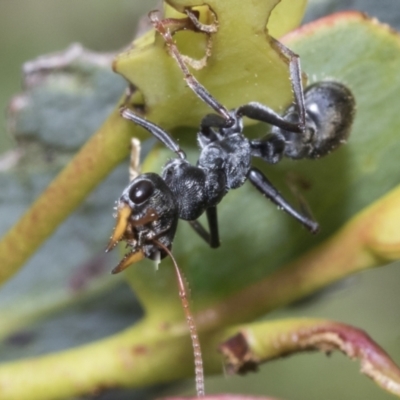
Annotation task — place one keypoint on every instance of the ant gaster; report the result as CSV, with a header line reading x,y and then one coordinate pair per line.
x,y
151,205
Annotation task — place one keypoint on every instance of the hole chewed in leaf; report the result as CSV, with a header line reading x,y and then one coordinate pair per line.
x,y
194,21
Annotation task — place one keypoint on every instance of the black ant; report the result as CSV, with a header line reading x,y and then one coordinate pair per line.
x,y
151,205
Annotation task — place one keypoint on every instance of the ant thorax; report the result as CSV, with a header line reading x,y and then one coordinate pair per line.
x,y
188,183
224,162
232,155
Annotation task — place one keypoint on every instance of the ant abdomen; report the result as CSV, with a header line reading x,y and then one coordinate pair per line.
x,y
330,109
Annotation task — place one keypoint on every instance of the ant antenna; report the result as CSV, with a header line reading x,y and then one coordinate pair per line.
x,y
191,81
198,359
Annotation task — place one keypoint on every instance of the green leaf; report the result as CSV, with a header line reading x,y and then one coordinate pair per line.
x,y
67,96
238,55
257,240
350,179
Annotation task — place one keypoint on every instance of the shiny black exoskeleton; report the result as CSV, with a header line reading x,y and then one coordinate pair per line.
x,y
151,205
186,191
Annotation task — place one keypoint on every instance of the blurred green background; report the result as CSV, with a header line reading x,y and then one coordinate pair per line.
x,y
370,301
29,28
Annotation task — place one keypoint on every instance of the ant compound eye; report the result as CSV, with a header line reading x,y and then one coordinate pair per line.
x,y
141,191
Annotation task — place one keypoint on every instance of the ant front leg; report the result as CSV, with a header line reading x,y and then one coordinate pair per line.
x,y
212,219
212,237
262,184
192,82
159,133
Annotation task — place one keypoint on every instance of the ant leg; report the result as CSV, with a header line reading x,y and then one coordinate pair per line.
x,y
212,121
262,184
200,230
134,164
296,184
191,81
212,237
295,78
155,130
270,148
206,132
262,113
212,219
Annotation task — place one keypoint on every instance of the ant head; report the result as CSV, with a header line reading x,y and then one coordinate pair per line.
x,y
146,211
138,195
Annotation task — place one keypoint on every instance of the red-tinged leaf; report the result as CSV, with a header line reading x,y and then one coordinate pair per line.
x,y
258,343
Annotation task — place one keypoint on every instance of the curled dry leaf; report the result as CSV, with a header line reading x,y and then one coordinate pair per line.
x,y
258,343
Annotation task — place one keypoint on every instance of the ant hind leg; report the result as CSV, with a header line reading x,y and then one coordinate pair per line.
x,y
297,84
260,112
263,185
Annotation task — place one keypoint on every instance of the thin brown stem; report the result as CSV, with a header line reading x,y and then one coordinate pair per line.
x,y
198,359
